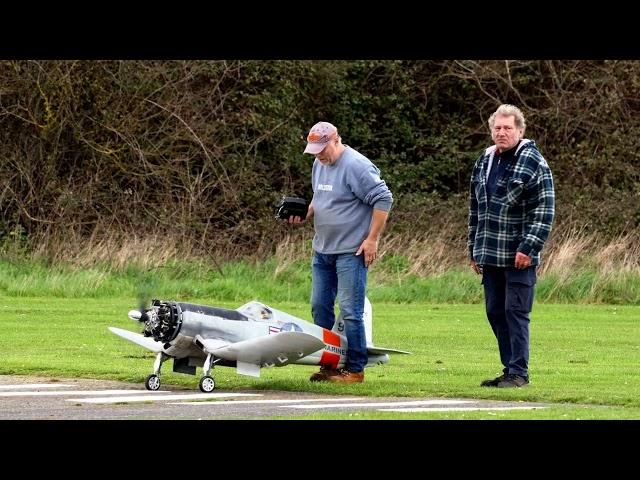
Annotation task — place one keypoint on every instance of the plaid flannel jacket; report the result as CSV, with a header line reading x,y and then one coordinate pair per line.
x,y
518,216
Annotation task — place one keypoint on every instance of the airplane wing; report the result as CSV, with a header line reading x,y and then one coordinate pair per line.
x,y
278,349
210,345
381,351
139,339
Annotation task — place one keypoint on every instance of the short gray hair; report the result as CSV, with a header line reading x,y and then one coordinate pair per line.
x,y
507,110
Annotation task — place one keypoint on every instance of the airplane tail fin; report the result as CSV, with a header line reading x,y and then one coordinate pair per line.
x,y
368,329
367,317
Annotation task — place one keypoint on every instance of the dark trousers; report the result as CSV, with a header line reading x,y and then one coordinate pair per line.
x,y
508,294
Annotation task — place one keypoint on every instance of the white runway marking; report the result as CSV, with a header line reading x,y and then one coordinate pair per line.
x,y
283,400
34,385
384,404
147,398
209,399
452,409
75,392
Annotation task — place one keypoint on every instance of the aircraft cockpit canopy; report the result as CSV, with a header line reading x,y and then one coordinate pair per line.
x,y
257,311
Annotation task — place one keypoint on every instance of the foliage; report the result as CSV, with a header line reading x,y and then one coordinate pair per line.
x,y
202,150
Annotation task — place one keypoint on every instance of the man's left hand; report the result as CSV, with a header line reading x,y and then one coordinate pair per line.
x,y
522,260
370,249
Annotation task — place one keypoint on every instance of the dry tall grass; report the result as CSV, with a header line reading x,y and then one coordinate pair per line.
x,y
565,252
574,251
117,251
424,255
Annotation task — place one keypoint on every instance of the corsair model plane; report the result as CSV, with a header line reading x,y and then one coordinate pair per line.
x,y
249,338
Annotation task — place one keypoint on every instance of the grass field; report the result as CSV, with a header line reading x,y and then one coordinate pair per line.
x,y
584,358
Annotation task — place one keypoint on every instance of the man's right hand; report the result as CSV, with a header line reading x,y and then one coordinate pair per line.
x,y
297,219
476,268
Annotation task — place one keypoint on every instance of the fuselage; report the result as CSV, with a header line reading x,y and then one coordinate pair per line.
x,y
177,325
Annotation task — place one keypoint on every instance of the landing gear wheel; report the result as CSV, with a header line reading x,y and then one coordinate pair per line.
x,y
207,384
152,382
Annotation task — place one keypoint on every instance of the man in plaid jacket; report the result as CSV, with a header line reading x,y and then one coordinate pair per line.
x,y
511,209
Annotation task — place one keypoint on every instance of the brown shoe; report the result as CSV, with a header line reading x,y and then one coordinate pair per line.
x,y
324,374
345,376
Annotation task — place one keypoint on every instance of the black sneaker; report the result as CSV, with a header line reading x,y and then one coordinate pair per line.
x,y
494,381
513,381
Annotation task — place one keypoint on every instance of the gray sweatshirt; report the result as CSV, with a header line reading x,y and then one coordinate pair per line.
x,y
344,196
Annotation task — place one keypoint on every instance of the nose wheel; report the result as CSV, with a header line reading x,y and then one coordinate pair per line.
x,y
207,384
152,382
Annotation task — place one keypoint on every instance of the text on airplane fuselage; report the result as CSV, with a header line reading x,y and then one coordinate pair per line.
x,y
334,349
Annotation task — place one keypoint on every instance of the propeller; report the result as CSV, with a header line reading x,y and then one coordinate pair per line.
x,y
144,296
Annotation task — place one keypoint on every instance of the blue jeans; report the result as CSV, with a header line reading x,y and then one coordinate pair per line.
x,y
509,296
345,276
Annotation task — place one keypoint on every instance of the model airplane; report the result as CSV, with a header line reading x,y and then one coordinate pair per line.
x,y
248,338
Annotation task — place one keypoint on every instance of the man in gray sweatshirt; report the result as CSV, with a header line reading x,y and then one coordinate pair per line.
x,y
350,206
